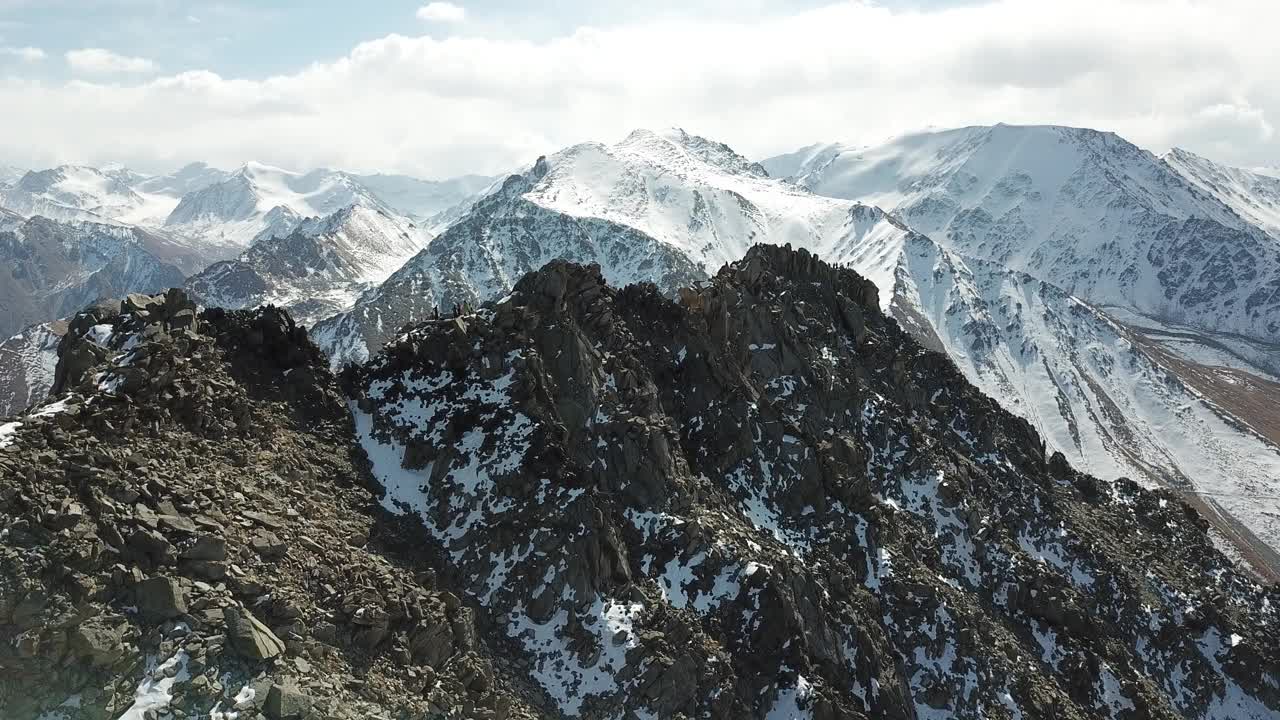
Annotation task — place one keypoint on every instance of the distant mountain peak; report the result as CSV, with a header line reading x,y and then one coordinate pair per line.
x,y
254,167
700,148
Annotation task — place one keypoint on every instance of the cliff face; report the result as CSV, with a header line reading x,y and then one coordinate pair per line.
x,y
763,500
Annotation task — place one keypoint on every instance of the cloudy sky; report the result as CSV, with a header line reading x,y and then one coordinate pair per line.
x,y
447,88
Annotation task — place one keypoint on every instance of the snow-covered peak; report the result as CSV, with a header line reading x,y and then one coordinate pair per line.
x,y
253,168
80,187
190,178
678,144
123,173
1254,194
375,242
970,164
256,196
314,266
693,194
1088,211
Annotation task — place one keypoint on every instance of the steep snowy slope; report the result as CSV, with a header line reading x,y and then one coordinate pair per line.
x,y
1253,194
1097,390
1087,211
791,164
316,270
664,207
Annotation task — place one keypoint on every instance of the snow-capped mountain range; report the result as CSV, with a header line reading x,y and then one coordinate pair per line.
x,y
1053,264
311,241
1127,304
1096,215
664,207
208,215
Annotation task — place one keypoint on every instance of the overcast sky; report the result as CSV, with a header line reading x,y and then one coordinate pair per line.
x,y
442,89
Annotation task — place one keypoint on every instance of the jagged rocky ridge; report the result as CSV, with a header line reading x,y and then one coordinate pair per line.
x,y
763,500
766,500
188,530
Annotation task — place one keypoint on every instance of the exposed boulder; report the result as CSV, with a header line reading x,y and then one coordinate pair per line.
x,y
249,637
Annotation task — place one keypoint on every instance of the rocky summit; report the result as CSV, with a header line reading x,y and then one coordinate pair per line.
x,y
762,499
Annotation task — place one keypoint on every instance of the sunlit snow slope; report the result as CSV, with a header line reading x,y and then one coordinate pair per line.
x,y
1111,383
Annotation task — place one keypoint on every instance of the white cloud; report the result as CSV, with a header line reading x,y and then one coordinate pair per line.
x,y
100,61
445,12
1195,72
25,54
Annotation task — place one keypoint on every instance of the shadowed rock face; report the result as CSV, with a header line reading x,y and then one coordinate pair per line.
x,y
761,500
766,498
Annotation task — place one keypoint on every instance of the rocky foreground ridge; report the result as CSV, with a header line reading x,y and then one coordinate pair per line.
x,y
189,531
762,500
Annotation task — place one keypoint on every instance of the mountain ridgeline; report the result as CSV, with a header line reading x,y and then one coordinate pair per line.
x,y
761,499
